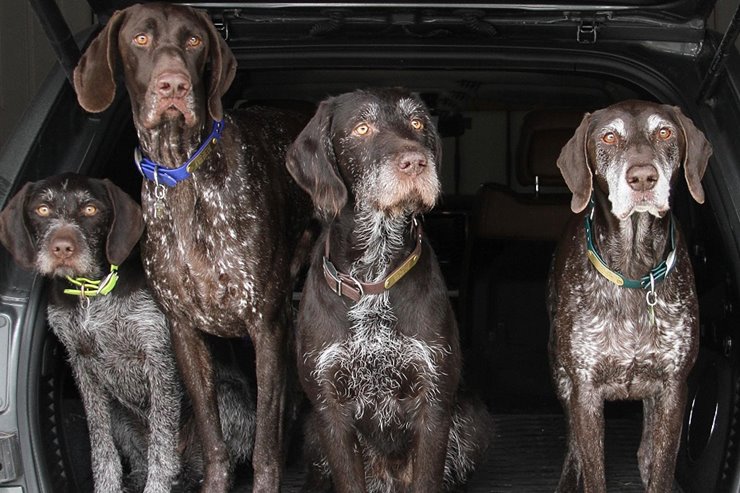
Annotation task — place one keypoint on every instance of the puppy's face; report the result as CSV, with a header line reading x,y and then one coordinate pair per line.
x,y
635,151
387,150
68,221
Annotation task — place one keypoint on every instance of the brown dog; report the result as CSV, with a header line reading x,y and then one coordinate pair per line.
x,y
622,300
224,219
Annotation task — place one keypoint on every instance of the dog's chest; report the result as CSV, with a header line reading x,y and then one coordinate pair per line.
x,y
206,266
111,341
619,342
379,372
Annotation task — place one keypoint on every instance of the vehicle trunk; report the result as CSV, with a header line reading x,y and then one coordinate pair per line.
x,y
504,102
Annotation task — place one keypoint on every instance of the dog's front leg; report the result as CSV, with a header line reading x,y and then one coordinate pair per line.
x,y
164,418
586,437
267,458
195,362
432,431
658,458
106,462
339,442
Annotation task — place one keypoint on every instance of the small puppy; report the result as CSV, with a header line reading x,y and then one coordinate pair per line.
x,y
378,350
622,301
78,230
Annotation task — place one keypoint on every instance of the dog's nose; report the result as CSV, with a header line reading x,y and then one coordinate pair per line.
x,y
642,177
412,163
62,247
173,85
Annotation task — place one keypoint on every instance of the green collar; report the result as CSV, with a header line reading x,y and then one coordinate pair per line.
x,y
647,281
90,288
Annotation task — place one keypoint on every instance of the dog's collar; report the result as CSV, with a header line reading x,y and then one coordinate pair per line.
x,y
172,176
352,288
656,274
90,288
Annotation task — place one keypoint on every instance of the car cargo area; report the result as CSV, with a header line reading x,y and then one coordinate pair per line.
x,y
504,103
503,207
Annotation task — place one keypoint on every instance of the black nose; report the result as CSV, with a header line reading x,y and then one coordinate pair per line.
x,y
173,85
412,163
642,177
62,247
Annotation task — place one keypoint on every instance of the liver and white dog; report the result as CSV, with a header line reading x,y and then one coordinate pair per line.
x,y
224,219
622,300
378,351
80,232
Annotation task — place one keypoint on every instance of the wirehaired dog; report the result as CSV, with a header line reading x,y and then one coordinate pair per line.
x,y
378,351
622,300
226,226
79,232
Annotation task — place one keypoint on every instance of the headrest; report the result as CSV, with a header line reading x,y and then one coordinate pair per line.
x,y
503,214
543,135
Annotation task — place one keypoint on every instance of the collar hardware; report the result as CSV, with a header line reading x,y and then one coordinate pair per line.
x,y
90,288
348,286
170,177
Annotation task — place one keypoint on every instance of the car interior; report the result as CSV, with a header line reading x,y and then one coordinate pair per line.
x,y
503,118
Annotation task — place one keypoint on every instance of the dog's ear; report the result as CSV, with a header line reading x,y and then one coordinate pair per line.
x,y
126,226
223,68
696,154
574,166
94,75
14,234
312,163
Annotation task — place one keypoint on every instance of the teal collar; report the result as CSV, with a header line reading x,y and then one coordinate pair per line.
x,y
647,281
90,288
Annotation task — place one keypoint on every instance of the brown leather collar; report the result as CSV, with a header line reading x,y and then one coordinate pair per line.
x,y
345,285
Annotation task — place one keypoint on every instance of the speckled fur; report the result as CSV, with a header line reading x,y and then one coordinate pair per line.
x,y
118,345
603,345
223,247
382,374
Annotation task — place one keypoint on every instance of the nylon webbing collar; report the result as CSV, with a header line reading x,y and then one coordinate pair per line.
x,y
172,176
657,273
352,288
90,288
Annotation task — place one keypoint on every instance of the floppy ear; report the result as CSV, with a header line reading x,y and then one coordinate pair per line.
x,y
573,164
696,155
312,163
94,74
126,227
14,234
223,68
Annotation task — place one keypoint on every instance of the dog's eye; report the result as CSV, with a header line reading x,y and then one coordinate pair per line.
x,y
43,210
361,129
194,41
141,39
609,138
664,133
89,210
417,124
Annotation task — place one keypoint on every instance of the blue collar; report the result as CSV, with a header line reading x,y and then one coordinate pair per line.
x,y
657,273
172,176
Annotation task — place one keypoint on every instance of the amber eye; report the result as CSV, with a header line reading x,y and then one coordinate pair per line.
x,y
194,42
664,133
417,124
43,210
362,129
89,210
609,138
141,39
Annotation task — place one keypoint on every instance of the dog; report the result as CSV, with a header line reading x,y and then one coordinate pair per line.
x,y
77,230
621,295
227,229
378,350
